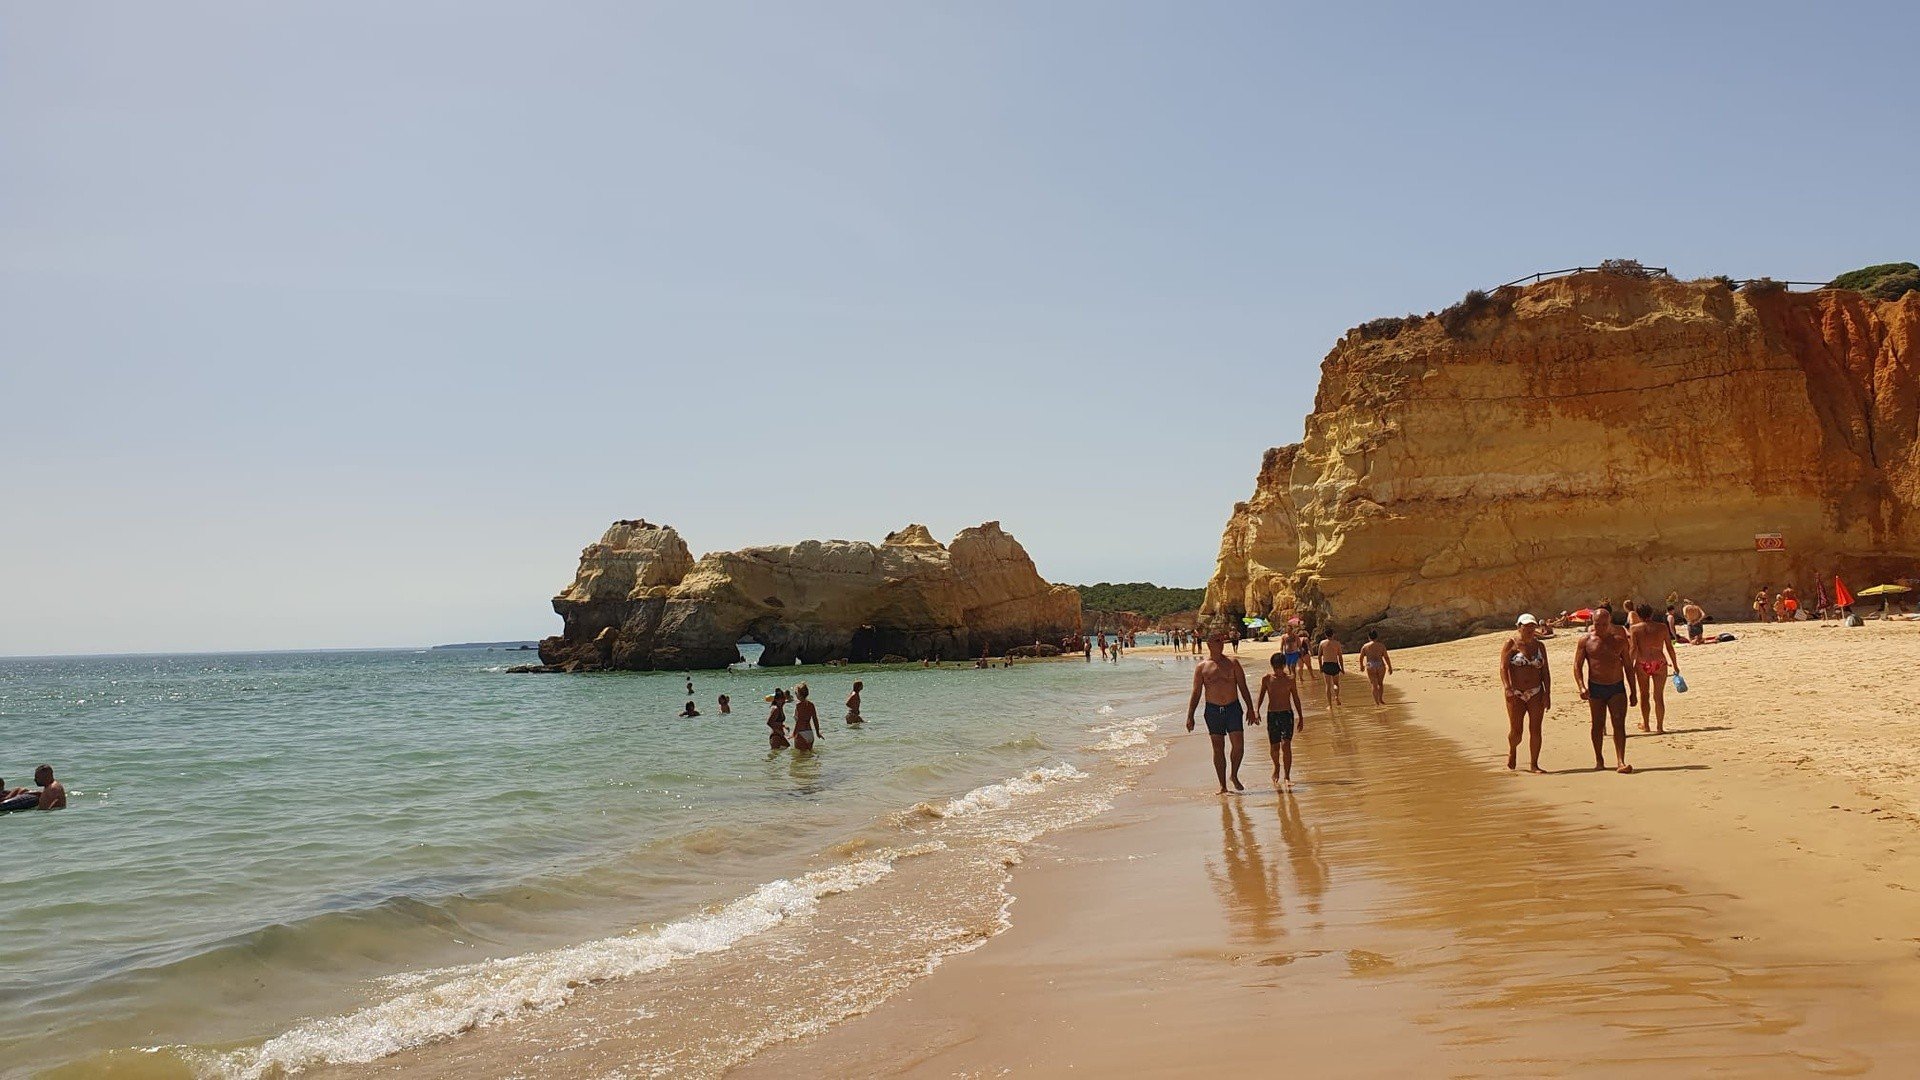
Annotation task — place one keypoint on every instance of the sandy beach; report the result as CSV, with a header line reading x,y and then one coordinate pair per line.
x,y
1745,904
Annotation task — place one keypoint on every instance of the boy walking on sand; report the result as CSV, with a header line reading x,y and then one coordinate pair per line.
x,y
1279,688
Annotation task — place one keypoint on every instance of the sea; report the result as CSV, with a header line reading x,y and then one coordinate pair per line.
x,y
279,862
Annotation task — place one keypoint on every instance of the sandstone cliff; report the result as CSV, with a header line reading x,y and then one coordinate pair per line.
x,y
1595,436
641,602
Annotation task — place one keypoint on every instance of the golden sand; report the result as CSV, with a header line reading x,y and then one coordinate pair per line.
x,y
1745,904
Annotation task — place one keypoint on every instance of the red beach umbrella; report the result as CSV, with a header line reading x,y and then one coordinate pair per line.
x,y
1583,614
1841,596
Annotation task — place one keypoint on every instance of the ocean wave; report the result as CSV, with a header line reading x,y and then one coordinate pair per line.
x,y
1122,734
1001,795
489,992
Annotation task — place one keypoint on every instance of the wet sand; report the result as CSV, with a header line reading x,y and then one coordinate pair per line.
x,y
1743,905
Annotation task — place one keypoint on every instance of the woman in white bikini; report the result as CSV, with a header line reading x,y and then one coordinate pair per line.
x,y
1528,686
806,719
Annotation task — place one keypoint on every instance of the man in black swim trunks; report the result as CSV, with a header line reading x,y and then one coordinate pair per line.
x,y
1222,681
1600,663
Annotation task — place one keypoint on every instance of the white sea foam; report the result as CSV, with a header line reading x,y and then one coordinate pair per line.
x,y
1003,794
1122,734
498,989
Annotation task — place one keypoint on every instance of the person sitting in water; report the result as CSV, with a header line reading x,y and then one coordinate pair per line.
x,y
19,798
52,794
689,710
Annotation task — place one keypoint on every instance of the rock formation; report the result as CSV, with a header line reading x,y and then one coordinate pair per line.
x,y
640,602
1594,436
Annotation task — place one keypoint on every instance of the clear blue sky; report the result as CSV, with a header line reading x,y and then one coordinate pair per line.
x,y
329,324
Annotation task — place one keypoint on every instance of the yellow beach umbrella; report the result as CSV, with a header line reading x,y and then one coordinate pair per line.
x,y
1884,591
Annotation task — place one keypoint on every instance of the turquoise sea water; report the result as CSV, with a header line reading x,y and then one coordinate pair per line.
x,y
261,842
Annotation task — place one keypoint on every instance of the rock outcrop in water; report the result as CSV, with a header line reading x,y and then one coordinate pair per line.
x,y
640,601
1595,436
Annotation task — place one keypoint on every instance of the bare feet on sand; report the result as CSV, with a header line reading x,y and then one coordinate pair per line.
x,y
1512,758
1625,768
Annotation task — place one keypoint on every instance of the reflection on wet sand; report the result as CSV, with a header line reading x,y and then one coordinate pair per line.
x,y
1517,918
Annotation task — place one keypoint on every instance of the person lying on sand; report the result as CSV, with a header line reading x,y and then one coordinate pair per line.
x,y
1600,660
1220,679
1279,688
1528,687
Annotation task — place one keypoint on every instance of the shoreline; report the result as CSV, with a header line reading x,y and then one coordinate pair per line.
x,y
1734,903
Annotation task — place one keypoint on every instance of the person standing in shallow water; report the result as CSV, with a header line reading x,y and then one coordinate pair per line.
x,y
853,703
1377,664
1220,679
806,719
777,721
1528,688
1600,674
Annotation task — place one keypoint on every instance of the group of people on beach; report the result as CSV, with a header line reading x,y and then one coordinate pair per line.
x,y
1220,683
50,795
1615,667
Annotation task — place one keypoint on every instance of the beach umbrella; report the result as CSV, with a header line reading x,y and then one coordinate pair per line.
x,y
1584,614
1841,597
1884,591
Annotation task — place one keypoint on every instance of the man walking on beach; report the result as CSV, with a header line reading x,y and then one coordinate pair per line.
x,y
1332,664
1600,673
1221,680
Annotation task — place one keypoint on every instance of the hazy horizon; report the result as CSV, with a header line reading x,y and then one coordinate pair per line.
x,y
349,326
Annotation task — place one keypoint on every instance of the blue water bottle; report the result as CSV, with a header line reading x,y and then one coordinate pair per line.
x,y
1679,684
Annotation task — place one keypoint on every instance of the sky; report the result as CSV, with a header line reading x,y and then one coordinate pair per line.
x,y
350,323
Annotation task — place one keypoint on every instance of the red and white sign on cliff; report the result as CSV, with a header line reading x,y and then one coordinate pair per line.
x,y
1769,542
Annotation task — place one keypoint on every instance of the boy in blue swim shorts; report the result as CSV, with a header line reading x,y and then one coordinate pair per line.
x,y
1281,693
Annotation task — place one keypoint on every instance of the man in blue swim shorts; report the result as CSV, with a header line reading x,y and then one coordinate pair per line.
x,y
1223,683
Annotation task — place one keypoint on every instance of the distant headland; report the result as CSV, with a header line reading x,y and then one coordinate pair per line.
x,y
640,601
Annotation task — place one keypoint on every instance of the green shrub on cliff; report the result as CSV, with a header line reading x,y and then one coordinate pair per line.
x,y
1885,281
1455,320
1152,601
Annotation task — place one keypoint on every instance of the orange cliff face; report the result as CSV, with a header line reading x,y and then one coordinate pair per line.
x,y
1591,437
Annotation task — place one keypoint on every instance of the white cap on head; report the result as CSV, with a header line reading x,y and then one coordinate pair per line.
x,y
1525,620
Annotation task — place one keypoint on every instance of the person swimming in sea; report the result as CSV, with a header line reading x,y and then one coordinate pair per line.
x,y
1527,687
51,795
689,710
806,719
853,703
777,721
726,705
